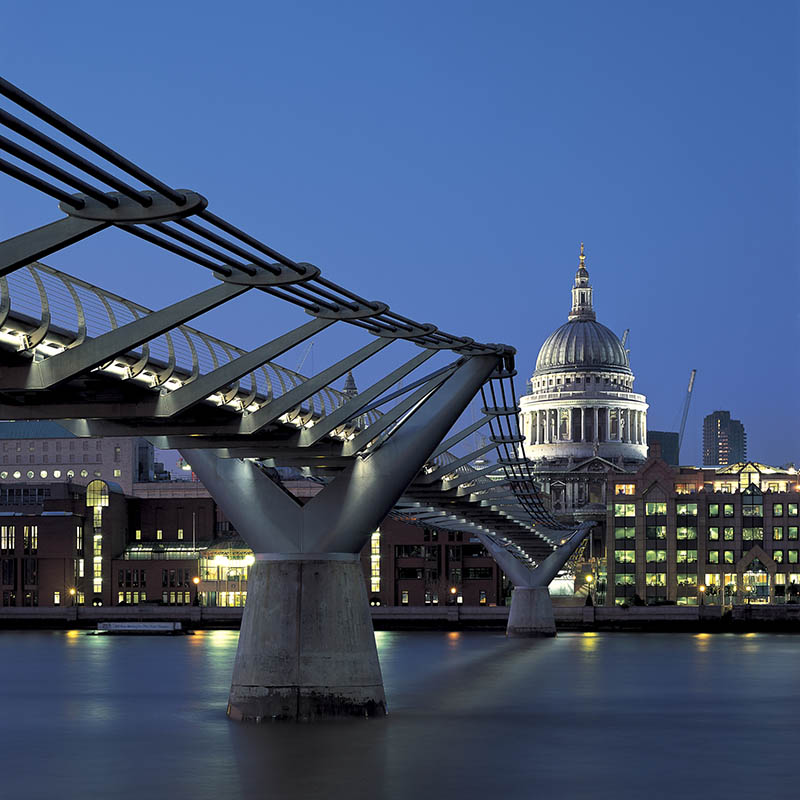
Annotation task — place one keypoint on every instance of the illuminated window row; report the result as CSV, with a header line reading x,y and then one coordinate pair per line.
x,y
56,473
375,562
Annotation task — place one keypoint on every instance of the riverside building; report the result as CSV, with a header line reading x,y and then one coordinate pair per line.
x,y
38,453
689,535
169,544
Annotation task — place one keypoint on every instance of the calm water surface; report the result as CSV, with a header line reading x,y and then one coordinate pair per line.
x,y
473,715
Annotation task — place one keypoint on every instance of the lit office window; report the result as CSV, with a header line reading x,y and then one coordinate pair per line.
x,y
7,538
375,562
97,563
30,539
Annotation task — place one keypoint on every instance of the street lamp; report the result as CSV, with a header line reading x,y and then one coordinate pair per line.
x,y
72,594
590,586
702,589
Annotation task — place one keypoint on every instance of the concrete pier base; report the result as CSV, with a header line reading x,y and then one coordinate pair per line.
x,y
531,612
307,647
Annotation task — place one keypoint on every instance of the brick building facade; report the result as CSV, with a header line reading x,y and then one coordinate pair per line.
x,y
689,535
169,544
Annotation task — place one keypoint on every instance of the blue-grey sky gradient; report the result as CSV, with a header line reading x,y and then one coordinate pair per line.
x,y
448,158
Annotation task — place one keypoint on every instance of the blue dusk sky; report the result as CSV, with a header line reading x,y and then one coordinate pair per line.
x,y
449,157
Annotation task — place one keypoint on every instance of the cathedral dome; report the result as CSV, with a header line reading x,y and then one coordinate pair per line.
x,y
582,344
581,403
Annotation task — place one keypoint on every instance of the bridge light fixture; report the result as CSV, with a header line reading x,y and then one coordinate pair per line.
x,y
453,590
195,580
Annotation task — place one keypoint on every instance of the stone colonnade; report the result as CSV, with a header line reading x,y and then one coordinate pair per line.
x,y
587,424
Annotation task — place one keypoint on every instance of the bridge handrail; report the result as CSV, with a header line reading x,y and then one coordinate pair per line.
x,y
171,219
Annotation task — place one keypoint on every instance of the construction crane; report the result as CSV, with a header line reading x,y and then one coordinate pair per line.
x,y
685,413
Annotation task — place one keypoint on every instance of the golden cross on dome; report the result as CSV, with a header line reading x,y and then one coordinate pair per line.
x,y
583,257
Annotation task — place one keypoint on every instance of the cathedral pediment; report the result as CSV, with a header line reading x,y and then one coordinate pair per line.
x,y
596,464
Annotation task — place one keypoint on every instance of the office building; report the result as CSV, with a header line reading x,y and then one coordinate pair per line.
x,y
690,535
724,439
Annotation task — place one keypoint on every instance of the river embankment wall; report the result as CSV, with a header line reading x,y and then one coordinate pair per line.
x,y
739,619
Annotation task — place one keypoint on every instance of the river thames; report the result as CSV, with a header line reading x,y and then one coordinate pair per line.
x,y
472,715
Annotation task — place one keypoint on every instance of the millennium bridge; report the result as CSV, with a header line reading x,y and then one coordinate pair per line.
x,y
102,364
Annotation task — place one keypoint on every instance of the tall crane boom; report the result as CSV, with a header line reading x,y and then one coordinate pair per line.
x,y
685,414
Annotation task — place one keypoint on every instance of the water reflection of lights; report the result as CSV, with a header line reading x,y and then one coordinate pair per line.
x,y
589,641
222,639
